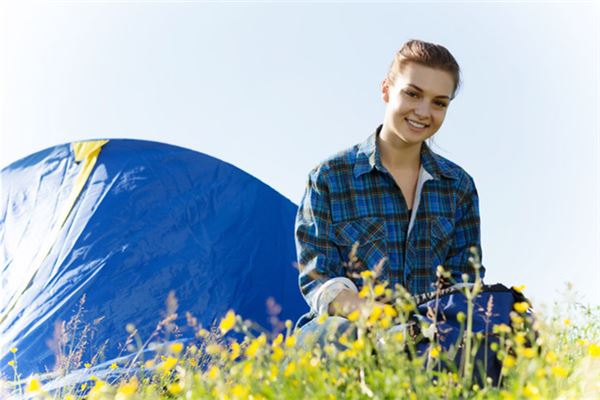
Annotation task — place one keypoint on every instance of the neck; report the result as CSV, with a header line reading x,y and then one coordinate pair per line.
x,y
396,154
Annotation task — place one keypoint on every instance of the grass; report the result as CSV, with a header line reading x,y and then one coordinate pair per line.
x,y
561,362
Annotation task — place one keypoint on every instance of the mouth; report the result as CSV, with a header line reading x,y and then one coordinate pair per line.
x,y
415,124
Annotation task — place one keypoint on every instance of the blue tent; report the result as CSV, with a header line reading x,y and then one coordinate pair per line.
x,y
124,222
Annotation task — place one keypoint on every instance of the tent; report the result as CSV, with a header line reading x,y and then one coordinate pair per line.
x,y
118,225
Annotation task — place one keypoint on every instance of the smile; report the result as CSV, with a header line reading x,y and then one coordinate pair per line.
x,y
416,124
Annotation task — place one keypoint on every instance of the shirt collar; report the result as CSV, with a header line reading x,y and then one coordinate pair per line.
x,y
368,158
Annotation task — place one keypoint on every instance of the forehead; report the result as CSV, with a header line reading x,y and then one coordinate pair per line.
x,y
434,82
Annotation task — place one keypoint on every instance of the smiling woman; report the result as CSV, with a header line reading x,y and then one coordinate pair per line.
x,y
389,204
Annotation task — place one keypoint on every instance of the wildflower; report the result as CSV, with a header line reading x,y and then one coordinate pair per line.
x,y
113,366
83,387
274,371
289,369
364,292
322,318
353,316
594,350
528,352
33,386
203,333
247,371
531,391
290,341
176,348
460,316
386,322
509,361
501,328
375,314
127,389
288,324
277,354
87,365
378,290
14,350
521,306
366,274
213,372
435,352
228,322
407,307
254,346
390,311
519,288
235,351
567,322
359,344
11,363
175,388
399,337
551,356
239,391
167,365
559,371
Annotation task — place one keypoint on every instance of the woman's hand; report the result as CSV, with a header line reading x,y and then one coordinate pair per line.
x,y
347,301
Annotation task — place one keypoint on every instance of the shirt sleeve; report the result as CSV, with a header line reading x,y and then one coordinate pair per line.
x,y
318,257
466,235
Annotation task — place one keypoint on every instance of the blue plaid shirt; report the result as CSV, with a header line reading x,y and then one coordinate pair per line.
x,y
351,197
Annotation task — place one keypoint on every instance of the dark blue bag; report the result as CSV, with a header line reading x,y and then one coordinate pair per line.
x,y
492,306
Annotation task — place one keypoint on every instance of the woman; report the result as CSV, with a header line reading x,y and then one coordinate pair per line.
x,y
408,208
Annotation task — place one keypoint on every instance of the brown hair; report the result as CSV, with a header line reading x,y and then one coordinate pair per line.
x,y
427,54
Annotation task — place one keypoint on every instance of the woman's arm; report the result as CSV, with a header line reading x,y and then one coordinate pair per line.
x,y
466,235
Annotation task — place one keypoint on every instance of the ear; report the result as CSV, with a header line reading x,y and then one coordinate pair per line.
x,y
385,90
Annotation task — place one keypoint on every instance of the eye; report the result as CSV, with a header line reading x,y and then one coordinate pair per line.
x,y
410,93
441,104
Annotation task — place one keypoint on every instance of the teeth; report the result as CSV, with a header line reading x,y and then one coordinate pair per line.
x,y
415,124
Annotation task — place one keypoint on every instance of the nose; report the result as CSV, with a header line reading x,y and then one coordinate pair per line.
x,y
422,110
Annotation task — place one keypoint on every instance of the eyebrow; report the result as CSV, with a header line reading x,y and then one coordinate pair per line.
x,y
420,90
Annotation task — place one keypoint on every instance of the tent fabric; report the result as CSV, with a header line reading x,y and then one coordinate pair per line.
x,y
150,218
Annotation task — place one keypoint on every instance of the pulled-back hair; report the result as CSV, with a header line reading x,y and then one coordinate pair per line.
x,y
427,54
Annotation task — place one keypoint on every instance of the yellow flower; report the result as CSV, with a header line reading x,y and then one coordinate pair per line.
x,y
385,322
531,391
11,363
149,364
378,290
113,366
288,324
551,357
290,341
33,386
273,372
353,316
519,288
289,369
375,314
83,386
87,365
390,311
559,371
364,292
594,350
528,352
175,388
399,337
435,352
322,318
521,306
14,350
239,391
247,371
509,361
277,354
501,328
358,344
176,348
213,372
235,351
406,307
228,322
366,274
567,322
460,317
128,389
254,346
167,365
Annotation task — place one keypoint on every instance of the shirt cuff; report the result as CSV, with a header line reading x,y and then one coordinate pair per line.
x,y
328,291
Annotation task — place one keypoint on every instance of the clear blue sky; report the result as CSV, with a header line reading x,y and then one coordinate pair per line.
x,y
275,88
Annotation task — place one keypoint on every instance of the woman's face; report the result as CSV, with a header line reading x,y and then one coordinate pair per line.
x,y
416,103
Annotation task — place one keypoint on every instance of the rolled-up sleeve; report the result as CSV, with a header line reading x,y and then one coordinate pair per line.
x,y
467,234
318,257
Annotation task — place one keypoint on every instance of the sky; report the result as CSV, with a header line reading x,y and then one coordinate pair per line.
x,y
274,88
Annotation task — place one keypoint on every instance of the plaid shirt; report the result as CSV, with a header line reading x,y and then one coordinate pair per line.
x,y
351,197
